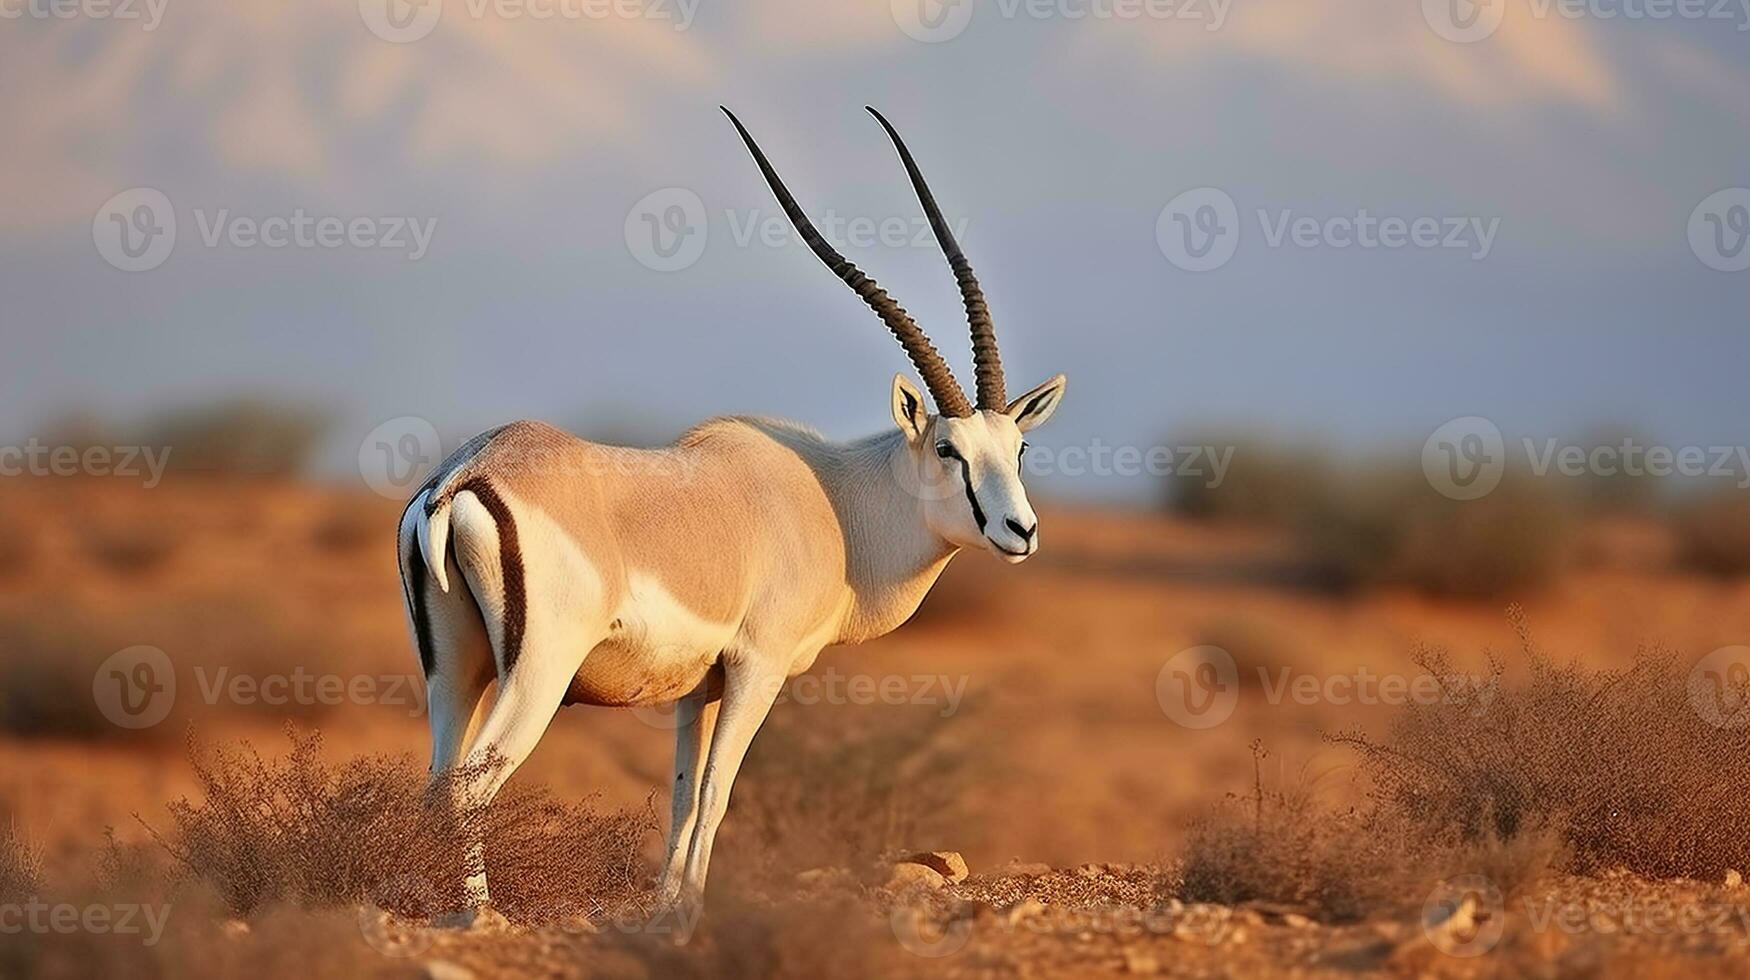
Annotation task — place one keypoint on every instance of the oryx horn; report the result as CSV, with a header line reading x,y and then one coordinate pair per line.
x,y
937,376
987,364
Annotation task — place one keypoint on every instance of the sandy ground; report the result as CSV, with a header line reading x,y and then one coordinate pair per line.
x,y
1045,676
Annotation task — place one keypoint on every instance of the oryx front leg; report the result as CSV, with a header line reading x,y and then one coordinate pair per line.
x,y
749,689
695,721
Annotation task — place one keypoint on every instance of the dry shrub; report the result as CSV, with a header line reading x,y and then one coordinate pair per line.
x,y
1281,845
1714,533
18,546
344,530
1621,764
48,658
845,787
1388,527
128,548
1265,482
1258,646
299,831
1570,768
238,437
1379,522
50,652
21,866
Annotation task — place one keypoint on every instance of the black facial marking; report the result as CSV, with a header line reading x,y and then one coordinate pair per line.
x,y
971,498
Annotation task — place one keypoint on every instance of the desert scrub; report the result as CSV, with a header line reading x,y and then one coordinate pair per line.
x,y
1625,766
1378,522
1279,844
1389,527
298,830
20,863
1714,533
1566,768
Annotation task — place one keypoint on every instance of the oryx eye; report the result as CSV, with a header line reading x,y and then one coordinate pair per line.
x,y
945,449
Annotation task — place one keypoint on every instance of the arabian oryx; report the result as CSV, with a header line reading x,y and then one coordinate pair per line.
x,y
705,573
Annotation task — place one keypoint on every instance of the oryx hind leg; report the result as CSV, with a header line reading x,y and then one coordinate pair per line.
x,y
540,628
454,653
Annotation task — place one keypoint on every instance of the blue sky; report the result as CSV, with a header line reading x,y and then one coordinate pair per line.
x,y
1055,133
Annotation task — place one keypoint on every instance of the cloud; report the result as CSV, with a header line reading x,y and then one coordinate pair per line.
x,y
286,88
1527,60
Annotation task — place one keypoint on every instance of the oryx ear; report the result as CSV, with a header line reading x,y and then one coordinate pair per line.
x,y
908,409
1032,409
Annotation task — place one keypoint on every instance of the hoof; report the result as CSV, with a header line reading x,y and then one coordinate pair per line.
x,y
481,918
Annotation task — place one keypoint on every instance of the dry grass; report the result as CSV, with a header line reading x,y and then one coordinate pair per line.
x,y
299,831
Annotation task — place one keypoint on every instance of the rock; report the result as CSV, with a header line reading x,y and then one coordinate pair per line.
x,y
907,876
1025,869
235,928
445,970
1734,879
948,864
1090,871
1139,960
1294,920
1025,909
822,877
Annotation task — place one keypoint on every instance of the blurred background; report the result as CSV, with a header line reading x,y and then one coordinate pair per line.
x,y
1377,317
